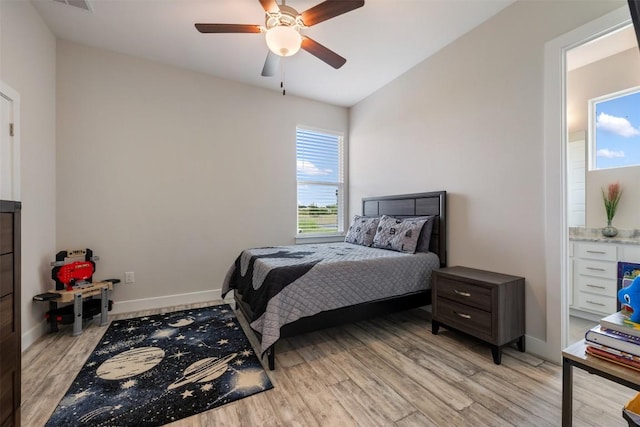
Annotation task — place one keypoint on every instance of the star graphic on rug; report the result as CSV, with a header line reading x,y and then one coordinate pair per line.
x,y
238,362
206,387
128,384
117,407
223,341
187,393
178,355
90,364
246,353
131,329
144,318
180,337
230,324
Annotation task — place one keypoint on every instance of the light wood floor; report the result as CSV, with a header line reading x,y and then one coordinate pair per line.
x,y
387,371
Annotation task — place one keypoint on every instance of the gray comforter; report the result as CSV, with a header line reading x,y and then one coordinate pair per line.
x,y
285,283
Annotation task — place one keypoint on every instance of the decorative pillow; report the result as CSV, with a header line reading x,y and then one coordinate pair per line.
x,y
425,234
398,234
362,230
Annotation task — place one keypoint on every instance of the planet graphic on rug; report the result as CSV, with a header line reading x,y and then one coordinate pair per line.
x,y
203,370
183,322
130,363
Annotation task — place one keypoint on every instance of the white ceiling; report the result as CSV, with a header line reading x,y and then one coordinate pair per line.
x,y
381,40
602,47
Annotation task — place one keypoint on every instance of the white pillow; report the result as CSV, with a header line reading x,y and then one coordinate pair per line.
x,y
398,234
362,230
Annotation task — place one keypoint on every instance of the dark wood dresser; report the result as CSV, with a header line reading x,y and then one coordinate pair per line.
x,y
10,335
484,304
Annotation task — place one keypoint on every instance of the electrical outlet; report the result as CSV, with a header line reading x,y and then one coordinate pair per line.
x,y
129,277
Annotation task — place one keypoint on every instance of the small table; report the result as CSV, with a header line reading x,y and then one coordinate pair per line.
x,y
575,355
76,296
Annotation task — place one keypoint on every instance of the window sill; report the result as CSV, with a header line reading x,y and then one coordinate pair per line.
x,y
320,239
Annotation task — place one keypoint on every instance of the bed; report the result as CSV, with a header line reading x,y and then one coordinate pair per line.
x,y
288,290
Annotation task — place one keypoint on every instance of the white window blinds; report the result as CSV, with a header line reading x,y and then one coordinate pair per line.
x,y
320,177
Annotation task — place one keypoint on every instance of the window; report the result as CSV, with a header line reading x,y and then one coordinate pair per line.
x,y
320,176
614,122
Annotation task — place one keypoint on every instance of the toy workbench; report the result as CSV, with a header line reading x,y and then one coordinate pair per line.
x,y
73,273
84,306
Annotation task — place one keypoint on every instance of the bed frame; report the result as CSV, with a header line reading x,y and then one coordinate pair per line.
x,y
402,206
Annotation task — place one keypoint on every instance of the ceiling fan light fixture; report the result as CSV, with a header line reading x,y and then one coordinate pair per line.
x,y
283,40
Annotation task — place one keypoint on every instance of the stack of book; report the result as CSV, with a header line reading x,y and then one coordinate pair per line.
x,y
616,339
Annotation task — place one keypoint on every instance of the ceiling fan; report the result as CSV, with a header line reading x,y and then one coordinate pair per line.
x,y
282,27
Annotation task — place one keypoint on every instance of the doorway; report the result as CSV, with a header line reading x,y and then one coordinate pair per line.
x,y
557,273
595,69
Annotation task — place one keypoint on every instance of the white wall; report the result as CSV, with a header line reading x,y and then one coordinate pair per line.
x,y
469,120
170,173
28,52
610,75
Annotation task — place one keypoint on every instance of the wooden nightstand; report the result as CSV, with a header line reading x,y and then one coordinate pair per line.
x,y
486,305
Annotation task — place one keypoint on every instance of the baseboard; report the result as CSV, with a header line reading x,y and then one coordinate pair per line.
x,y
164,301
541,349
585,315
33,334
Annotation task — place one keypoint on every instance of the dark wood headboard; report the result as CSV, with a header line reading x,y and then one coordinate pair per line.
x,y
420,204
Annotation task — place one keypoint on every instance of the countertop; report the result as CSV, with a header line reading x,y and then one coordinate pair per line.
x,y
628,237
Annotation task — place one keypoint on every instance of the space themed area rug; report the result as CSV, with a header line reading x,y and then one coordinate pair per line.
x,y
153,370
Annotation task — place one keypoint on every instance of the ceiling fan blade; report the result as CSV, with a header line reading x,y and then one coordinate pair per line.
x,y
322,53
270,6
227,28
328,9
270,64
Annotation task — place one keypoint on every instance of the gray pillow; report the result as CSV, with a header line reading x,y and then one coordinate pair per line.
x,y
425,234
362,230
398,234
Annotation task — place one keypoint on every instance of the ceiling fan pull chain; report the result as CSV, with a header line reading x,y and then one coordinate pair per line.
x,y
284,91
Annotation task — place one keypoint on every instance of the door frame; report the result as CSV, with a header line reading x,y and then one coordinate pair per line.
x,y
555,172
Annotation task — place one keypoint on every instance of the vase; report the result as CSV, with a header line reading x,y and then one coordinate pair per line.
x,y
609,230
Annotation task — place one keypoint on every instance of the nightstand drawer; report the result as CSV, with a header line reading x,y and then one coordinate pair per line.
x,y
467,319
464,293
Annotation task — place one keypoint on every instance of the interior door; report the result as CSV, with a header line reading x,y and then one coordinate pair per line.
x,y
9,144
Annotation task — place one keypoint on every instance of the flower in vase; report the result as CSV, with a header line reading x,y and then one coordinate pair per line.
x,y
611,198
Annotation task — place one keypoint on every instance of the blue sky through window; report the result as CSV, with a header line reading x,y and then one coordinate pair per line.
x,y
617,131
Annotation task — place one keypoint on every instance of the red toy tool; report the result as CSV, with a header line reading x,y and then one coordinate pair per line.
x,y
67,273
77,271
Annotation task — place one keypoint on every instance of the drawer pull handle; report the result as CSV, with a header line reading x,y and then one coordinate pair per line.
x,y
596,252
595,286
462,294
595,303
596,269
464,316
